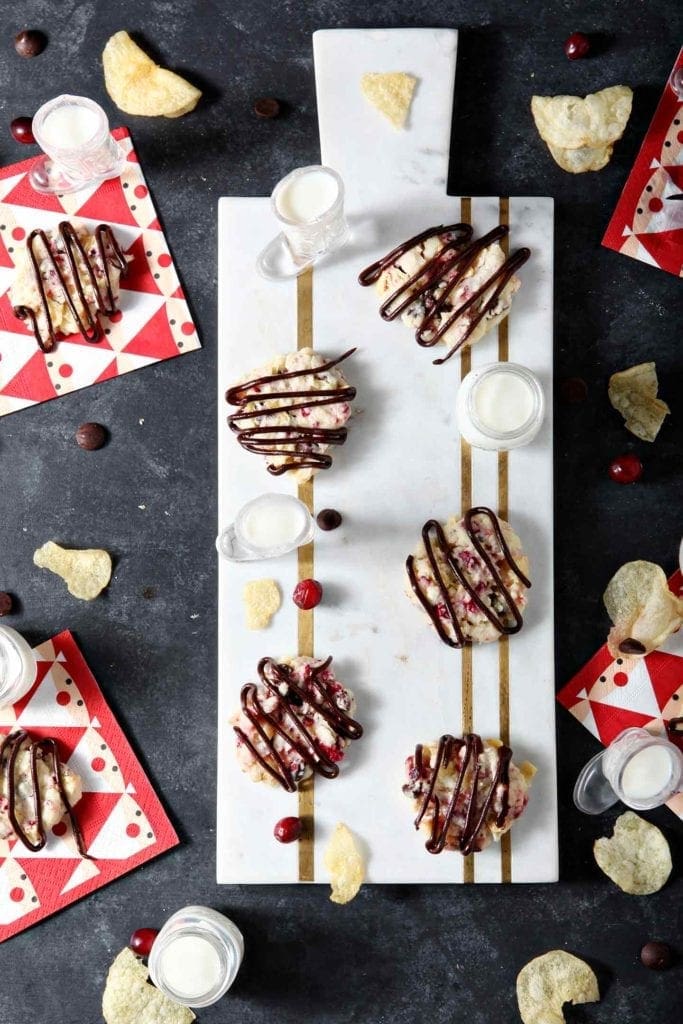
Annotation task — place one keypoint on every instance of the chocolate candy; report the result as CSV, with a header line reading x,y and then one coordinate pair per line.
x,y
91,436
328,519
6,603
631,646
29,43
267,107
658,956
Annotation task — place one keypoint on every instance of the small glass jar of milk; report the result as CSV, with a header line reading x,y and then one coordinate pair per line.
x,y
73,132
17,666
500,406
266,527
309,206
638,768
196,956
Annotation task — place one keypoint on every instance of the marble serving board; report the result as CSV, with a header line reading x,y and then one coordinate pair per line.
x,y
402,464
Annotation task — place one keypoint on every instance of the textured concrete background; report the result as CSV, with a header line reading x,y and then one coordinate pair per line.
x,y
395,954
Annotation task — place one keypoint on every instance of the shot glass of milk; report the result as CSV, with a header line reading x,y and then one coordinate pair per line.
x,y
196,956
73,132
309,206
500,406
17,666
266,527
638,768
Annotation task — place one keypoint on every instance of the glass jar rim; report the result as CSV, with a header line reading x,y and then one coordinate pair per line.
x,y
666,792
66,100
513,369
288,499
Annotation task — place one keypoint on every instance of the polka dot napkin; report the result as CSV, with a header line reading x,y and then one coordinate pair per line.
x,y
121,818
153,322
609,695
648,223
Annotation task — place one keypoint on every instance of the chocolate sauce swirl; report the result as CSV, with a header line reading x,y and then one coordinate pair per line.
x,y
477,799
512,622
297,443
43,748
109,253
440,276
278,682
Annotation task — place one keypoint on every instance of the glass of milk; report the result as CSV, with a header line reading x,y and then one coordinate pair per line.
x,y
73,132
500,406
266,527
17,666
638,768
309,206
196,956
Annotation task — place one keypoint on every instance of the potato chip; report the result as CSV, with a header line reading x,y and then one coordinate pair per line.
x,y
139,86
637,856
86,571
129,998
549,981
633,393
391,93
578,161
345,863
642,608
261,600
572,122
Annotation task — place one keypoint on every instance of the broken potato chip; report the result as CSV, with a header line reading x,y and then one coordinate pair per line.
x,y
636,857
391,93
139,86
633,393
643,610
345,863
261,599
585,158
86,571
130,999
549,981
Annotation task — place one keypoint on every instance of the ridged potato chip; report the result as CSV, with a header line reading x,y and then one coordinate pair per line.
x,y
572,121
86,571
636,857
139,86
261,599
549,981
391,93
345,863
129,998
633,393
642,608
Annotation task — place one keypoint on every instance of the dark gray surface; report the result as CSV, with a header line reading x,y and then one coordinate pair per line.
x,y
395,954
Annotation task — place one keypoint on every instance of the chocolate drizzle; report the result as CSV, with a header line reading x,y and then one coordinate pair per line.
x,y
297,443
108,253
439,276
279,683
512,623
43,748
476,800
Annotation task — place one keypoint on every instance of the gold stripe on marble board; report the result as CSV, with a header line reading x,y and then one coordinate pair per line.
x,y
304,332
465,503
503,648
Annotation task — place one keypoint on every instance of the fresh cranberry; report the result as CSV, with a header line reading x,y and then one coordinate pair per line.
x,y
287,830
577,46
142,940
626,469
22,130
307,594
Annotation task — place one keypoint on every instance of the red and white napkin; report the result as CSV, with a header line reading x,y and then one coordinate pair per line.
x,y
153,322
608,695
646,223
121,818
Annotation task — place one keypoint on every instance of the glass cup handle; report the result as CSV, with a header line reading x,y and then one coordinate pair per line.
x,y
276,262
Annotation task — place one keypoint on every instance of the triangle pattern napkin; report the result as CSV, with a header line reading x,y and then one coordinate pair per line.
x,y
153,321
122,820
609,695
